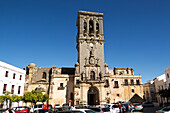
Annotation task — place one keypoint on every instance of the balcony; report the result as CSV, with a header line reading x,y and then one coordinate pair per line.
x,y
61,88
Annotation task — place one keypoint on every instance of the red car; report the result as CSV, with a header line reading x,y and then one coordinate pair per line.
x,y
21,109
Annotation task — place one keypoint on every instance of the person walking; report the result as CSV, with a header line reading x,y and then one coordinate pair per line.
x,y
131,108
123,108
120,108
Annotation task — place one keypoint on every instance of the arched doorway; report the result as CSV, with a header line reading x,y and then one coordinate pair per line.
x,y
93,96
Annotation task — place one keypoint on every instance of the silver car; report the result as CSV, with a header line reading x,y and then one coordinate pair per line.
x,y
138,107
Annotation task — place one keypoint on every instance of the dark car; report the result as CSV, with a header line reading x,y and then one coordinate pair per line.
x,y
148,104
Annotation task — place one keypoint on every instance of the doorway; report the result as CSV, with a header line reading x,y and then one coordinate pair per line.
x,y
93,96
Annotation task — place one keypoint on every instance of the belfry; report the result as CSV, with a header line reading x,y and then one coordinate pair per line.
x,y
90,81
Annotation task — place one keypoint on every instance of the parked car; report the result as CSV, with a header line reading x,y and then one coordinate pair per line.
x,y
138,107
38,106
164,110
96,109
57,106
114,108
105,109
43,111
85,110
72,111
21,109
148,104
4,110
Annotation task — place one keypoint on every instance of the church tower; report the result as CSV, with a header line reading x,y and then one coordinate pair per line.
x,y
91,71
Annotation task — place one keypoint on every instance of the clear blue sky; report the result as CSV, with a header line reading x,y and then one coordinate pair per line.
x,y
137,33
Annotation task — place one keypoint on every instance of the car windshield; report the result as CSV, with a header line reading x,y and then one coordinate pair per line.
x,y
96,109
89,111
105,109
115,106
166,109
137,105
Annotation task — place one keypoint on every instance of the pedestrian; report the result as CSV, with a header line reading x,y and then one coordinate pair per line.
x,y
120,108
123,109
131,108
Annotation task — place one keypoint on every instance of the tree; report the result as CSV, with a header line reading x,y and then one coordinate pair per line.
x,y
16,98
5,97
35,96
164,94
27,97
45,97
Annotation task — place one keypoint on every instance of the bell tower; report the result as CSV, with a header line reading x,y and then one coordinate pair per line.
x,y
90,68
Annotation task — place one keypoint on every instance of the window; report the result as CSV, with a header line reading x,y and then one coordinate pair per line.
x,y
61,84
92,75
6,74
100,76
133,90
137,82
91,26
14,76
12,89
4,89
126,82
107,83
20,78
97,28
77,81
132,82
167,75
116,84
44,75
85,28
19,88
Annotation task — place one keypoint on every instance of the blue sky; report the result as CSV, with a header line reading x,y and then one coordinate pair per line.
x,y
136,32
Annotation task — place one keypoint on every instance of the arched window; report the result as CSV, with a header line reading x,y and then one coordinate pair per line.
x,y
137,82
91,28
92,75
44,75
167,75
97,29
126,82
85,28
100,76
107,83
132,82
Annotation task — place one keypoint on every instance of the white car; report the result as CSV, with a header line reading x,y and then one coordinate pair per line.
x,y
57,106
114,108
36,107
85,110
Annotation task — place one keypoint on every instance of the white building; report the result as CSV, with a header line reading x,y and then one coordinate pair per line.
x,y
167,75
160,84
12,79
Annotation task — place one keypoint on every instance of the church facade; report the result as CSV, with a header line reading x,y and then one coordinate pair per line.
x,y
90,81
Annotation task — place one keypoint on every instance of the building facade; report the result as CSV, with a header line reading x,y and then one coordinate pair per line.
x,y
160,84
149,91
12,79
167,75
90,81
